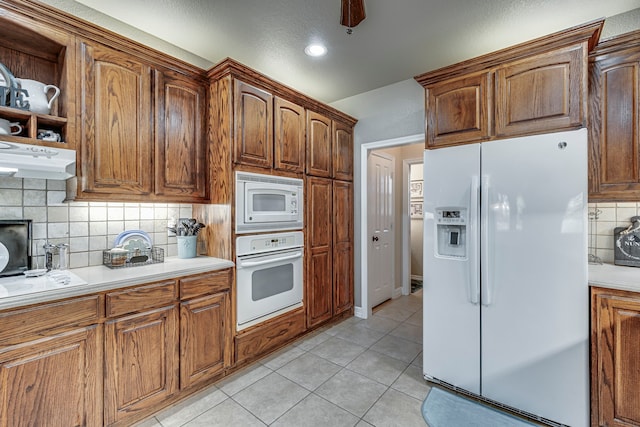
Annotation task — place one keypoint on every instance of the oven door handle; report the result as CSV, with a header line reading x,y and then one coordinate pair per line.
x,y
269,261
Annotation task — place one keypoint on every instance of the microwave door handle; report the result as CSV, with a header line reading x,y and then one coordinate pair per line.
x,y
269,261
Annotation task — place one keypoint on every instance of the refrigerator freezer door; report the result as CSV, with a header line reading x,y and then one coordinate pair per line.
x,y
451,332
535,323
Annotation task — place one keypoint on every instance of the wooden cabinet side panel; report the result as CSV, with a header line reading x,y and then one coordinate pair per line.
x,y
180,157
543,93
141,362
342,151
53,381
116,118
253,118
202,338
318,145
289,144
458,111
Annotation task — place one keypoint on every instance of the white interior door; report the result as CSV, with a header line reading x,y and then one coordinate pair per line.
x,y
380,223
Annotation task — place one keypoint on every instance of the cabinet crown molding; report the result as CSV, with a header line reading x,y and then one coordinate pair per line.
x,y
233,68
589,33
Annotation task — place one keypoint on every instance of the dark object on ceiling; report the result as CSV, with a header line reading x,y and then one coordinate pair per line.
x,y
352,13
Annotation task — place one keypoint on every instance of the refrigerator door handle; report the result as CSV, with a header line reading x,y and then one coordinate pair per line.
x,y
472,238
485,281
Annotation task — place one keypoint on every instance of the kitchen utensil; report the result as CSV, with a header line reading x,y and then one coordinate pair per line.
x,y
6,80
6,127
37,95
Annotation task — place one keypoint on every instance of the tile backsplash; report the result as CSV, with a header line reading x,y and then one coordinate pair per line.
x,y
88,227
603,218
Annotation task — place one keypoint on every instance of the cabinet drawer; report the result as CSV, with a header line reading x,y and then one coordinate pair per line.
x,y
203,284
42,320
141,298
262,338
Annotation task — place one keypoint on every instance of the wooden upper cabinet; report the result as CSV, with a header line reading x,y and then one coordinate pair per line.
x,y
289,127
342,151
180,155
614,116
253,121
458,110
318,145
541,94
531,88
115,99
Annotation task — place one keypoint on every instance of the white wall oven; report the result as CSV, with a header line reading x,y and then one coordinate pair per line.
x,y
269,276
268,203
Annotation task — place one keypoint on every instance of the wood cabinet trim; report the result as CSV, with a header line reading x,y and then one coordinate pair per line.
x,y
589,32
235,69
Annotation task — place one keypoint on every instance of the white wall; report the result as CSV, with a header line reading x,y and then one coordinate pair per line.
x,y
417,229
389,112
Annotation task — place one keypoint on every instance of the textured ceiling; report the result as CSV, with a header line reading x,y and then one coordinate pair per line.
x,y
398,40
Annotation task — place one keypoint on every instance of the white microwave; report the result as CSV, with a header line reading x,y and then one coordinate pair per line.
x,y
268,203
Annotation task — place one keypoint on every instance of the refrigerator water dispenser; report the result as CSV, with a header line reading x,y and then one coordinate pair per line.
x,y
451,233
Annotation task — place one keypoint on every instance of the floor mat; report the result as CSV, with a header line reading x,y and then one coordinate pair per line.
x,y
444,409
416,285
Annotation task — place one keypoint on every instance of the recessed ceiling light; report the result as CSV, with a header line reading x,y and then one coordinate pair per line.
x,y
315,50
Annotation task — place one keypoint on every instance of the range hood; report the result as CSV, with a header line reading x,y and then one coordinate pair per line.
x,y
34,161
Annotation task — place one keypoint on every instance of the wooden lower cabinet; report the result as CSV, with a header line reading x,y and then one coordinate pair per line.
x,y
615,358
204,338
71,395
141,362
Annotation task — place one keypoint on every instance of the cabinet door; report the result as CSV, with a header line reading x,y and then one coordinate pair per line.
x,y
318,145
342,151
289,125
141,362
54,381
616,366
116,122
614,157
342,246
204,334
253,118
319,300
180,156
542,93
458,111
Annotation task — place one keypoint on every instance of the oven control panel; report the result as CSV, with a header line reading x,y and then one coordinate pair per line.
x,y
246,245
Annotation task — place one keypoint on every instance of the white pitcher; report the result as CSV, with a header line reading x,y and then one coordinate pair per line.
x,y
37,98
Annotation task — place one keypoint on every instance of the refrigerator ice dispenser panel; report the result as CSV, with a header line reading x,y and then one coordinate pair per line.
x,y
451,233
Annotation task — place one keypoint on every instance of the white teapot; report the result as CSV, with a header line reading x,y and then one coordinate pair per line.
x,y
37,95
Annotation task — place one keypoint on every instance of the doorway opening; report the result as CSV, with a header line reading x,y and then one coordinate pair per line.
x,y
402,273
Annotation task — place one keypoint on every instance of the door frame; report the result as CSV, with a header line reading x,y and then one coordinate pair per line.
x,y
364,311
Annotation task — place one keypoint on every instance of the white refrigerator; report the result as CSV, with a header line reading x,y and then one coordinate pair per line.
x,y
506,298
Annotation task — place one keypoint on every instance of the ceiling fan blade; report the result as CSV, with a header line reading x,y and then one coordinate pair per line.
x,y
352,13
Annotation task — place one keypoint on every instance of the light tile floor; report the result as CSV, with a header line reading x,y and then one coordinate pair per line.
x,y
355,373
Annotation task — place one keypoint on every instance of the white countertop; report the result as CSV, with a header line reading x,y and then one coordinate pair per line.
x,y
18,291
615,277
